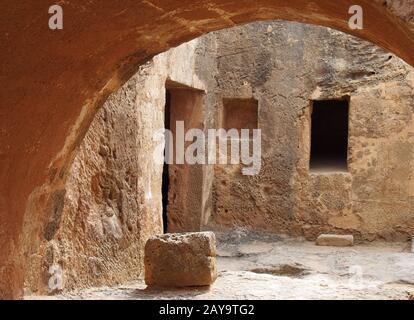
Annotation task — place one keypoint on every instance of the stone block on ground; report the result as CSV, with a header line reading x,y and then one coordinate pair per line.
x,y
334,240
181,260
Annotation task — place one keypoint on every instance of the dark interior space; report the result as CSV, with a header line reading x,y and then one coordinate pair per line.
x,y
165,172
329,135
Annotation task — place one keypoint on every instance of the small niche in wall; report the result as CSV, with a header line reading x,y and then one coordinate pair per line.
x,y
329,135
240,114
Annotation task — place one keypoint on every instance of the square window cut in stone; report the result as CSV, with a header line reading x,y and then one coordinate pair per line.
x,y
240,114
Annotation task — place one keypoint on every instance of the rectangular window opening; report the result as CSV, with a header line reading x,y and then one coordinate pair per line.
x,y
329,136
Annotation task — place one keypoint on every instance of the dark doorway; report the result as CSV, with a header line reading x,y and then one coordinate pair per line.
x,y
329,135
165,172
182,191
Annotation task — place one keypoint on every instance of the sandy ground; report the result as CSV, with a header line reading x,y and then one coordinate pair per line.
x,y
271,268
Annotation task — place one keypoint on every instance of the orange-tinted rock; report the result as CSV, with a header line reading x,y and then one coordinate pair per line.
x,y
50,95
181,260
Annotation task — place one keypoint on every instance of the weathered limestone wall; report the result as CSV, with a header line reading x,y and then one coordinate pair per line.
x,y
284,66
50,96
111,203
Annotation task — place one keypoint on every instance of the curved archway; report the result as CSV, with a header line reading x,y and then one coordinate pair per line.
x,y
54,81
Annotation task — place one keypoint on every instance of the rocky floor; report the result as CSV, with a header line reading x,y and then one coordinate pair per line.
x,y
270,268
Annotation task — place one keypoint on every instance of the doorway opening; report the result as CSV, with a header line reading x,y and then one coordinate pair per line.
x,y
182,192
329,136
165,171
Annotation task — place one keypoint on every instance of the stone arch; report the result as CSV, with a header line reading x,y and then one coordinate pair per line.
x,y
52,82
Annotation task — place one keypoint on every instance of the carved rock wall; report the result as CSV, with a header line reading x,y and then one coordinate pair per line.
x,y
284,66
111,203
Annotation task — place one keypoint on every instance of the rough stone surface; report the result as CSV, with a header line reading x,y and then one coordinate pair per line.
x,y
333,240
97,223
111,202
181,260
51,95
287,269
284,66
